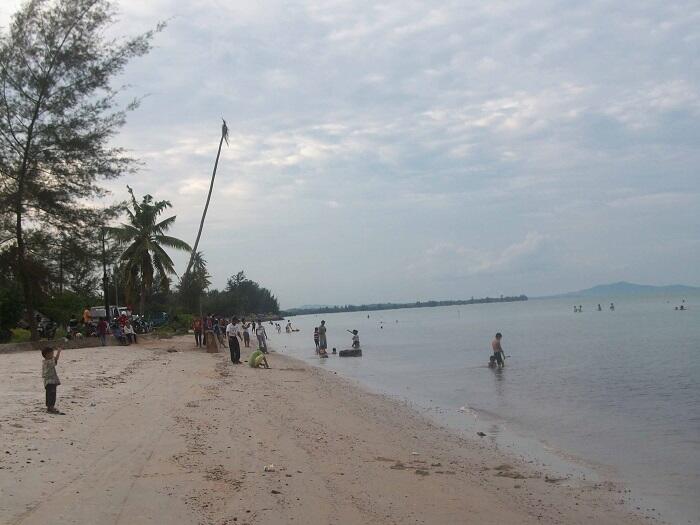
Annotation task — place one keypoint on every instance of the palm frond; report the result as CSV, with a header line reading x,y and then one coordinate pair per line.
x,y
172,242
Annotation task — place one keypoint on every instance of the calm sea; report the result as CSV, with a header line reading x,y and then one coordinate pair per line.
x,y
612,392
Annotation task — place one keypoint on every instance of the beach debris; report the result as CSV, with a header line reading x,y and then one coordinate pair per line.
x,y
510,474
171,350
273,491
506,471
554,480
415,454
421,472
462,409
269,468
481,434
398,466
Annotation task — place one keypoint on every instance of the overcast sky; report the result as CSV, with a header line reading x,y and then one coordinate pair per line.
x,y
410,150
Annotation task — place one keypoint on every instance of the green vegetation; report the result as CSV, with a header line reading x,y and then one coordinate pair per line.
x,y
396,306
59,114
241,296
10,313
144,260
20,335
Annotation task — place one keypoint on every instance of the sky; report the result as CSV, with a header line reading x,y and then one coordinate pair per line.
x,y
412,150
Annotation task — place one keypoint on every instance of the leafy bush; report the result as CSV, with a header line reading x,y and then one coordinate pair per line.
x,y
10,313
181,323
60,307
20,335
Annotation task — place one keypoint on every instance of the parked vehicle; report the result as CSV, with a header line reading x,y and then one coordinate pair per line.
x,y
46,328
141,326
96,312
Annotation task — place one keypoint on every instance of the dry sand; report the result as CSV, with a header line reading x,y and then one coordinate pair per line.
x,y
152,436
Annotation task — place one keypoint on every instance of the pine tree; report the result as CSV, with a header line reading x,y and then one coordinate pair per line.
x,y
58,114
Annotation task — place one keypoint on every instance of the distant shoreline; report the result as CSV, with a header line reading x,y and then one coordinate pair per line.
x,y
398,306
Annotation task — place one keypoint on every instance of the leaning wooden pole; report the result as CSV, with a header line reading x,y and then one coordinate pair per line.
x,y
224,137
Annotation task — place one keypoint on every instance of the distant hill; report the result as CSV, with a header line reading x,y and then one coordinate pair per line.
x,y
623,288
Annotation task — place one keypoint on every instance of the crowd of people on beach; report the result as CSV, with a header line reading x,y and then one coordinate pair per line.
x,y
229,333
123,326
222,333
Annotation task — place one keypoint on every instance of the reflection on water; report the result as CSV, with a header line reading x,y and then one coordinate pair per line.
x,y
499,375
617,388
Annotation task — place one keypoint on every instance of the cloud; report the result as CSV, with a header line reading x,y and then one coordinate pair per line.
x,y
448,260
492,143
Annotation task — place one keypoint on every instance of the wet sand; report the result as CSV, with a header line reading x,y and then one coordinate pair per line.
x,y
183,437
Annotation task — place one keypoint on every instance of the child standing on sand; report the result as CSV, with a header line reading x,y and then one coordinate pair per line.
x,y
51,381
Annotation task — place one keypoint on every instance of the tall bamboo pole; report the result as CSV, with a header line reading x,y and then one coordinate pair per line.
x,y
224,136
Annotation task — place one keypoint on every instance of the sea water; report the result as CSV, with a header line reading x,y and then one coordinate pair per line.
x,y
616,392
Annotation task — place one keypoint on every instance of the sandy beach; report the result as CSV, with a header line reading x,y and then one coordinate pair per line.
x,y
163,433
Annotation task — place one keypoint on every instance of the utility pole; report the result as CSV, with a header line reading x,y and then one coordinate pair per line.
x,y
105,280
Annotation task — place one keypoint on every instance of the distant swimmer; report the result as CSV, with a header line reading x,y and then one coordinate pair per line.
x,y
612,307
497,358
600,308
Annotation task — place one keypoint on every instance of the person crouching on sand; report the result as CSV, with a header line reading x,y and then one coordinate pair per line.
x,y
258,360
51,381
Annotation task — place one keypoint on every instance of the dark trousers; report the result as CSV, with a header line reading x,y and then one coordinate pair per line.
x,y
198,338
235,349
50,396
499,358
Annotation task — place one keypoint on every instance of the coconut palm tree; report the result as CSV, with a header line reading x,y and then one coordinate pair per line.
x,y
144,239
193,284
224,137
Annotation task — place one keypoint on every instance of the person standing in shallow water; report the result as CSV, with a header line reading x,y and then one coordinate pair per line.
x,y
322,342
498,350
262,337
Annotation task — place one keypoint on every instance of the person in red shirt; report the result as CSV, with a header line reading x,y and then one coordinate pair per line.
x,y
197,327
102,331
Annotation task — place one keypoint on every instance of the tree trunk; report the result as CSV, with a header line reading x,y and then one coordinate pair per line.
x,y
24,276
142,299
